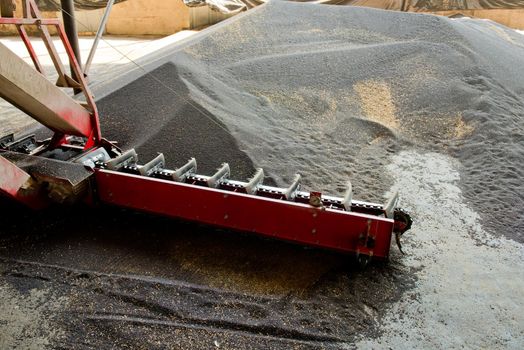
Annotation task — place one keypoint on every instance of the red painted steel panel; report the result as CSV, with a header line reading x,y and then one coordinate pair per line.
x,y
12,178
31,21
301,223
95,135
30,49
12,182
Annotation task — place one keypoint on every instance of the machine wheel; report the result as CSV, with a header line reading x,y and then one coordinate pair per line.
x,y
363,260
403,221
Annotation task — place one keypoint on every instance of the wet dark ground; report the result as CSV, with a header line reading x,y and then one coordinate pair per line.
x,y
137,281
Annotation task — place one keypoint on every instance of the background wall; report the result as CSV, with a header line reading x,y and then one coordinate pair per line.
x,y
146,17
511,18
136,17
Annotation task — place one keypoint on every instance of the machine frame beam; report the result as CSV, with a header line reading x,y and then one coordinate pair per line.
x,y
32,93
69,124
296,222
15,183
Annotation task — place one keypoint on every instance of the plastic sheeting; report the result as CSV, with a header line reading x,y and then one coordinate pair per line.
x,y
223,6
236,6
427,5
407,5
444,5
